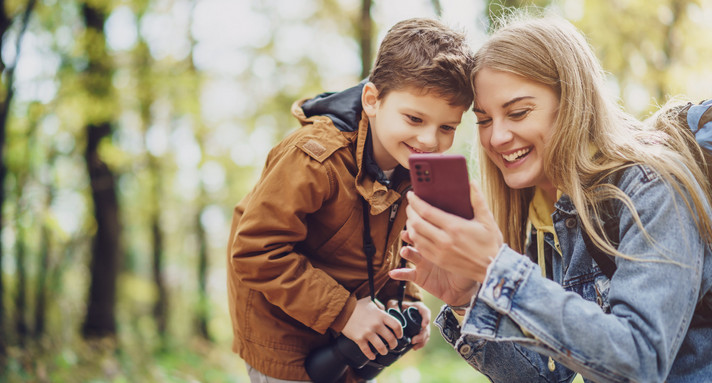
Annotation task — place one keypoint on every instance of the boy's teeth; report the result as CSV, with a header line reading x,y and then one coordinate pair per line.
x,y
513,156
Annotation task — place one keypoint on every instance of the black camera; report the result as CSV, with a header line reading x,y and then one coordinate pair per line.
x,y
329,363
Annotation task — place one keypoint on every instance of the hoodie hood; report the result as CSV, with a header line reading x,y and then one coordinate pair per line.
x,y
344,109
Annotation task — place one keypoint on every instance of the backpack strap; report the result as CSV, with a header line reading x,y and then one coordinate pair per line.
x,y
610,227
604,262
699,115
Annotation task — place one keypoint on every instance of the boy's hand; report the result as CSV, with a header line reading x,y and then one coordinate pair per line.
x,y
419,341
369,324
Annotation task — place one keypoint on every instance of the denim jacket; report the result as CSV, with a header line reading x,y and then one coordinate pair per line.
x,y
643,325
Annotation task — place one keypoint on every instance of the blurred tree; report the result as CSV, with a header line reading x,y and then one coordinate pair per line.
x,y
7,72
203,307
649,48
495,9
437,8
21,326
146,96
44,266
100,317
366,37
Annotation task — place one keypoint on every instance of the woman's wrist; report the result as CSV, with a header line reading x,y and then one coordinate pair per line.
x,y
459,309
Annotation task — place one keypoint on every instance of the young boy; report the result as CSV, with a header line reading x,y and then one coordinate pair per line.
x,y
298,274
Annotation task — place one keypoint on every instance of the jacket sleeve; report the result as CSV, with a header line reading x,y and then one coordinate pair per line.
x,y
489,358
652,296
292,186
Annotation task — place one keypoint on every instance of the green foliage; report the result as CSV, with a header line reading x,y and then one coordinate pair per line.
x,y
191,130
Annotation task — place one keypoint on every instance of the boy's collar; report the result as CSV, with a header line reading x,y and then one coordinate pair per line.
x,y
370,177
375,171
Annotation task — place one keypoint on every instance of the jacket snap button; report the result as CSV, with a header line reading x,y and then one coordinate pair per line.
x,y
570,222
465,349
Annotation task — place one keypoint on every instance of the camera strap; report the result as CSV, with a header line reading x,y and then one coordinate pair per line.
x,y
370,250
368,247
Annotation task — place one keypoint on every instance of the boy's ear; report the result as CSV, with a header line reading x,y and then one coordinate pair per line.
x,y
369,99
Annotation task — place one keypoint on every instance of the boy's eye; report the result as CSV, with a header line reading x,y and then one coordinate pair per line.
x,y
447,128
414,119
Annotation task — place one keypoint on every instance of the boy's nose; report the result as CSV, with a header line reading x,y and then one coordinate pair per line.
x,y
428,138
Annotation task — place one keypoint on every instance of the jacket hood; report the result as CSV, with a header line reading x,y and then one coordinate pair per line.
x,y
343,108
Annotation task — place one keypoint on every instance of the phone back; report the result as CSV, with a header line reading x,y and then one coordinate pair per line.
x,y
443,181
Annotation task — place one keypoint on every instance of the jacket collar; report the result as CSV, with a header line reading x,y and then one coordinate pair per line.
x,y
371,183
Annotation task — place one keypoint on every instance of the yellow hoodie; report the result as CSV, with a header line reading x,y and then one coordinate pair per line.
x,y
540,211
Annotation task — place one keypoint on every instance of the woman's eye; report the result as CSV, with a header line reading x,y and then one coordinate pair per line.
x,y
447,128
484,122
414,119
520,114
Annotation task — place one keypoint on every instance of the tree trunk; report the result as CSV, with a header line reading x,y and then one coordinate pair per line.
x,y
160,307
100,318
43,274
4,25
203,309
437,7
5,22
21,290
365,38
670,49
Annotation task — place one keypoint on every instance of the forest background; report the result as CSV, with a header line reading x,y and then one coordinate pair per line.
x,y
130,128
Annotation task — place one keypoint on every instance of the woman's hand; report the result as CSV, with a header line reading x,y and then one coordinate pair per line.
x,y
454,244
453,289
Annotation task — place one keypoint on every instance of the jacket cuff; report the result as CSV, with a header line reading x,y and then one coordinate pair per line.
x,y
448,324
488,317
340,321
504,277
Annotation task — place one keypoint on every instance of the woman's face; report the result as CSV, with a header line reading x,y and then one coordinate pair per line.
x,y
516,119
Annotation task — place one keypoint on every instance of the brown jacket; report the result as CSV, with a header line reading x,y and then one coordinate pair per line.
x,y
296,264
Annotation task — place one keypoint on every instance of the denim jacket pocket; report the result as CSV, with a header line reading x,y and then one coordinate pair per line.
x,y
593,286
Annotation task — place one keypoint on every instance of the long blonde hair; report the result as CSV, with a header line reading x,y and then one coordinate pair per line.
x,y
551,51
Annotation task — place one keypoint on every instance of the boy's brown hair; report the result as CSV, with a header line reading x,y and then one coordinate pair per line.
x,y
424,54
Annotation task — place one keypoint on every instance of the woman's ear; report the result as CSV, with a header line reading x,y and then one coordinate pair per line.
x,y
369,99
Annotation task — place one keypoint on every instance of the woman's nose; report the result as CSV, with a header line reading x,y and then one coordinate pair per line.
x,y
501,135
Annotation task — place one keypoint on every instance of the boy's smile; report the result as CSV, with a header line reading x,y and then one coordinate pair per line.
x,y
408,121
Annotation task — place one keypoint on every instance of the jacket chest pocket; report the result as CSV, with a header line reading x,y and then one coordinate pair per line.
x,y
592,287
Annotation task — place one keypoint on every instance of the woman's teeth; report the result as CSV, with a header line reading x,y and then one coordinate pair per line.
x,y
516,155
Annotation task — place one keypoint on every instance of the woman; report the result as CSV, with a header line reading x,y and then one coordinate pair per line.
x,y
567,174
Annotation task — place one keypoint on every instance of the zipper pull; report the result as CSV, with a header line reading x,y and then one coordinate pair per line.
x,y
394,211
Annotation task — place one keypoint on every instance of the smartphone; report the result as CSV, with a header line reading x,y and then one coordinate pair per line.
x,y
442,180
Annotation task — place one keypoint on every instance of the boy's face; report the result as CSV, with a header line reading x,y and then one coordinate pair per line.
x,y
407,121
